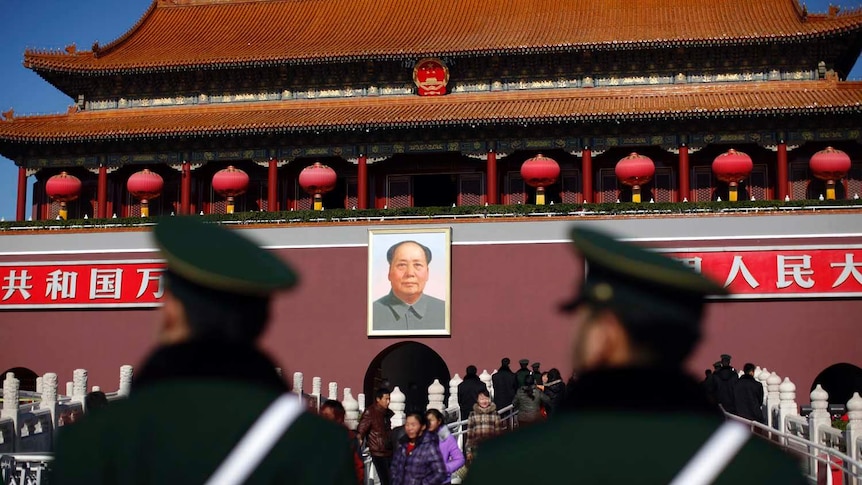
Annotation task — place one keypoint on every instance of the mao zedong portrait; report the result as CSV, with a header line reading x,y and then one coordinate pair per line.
x,y
407,307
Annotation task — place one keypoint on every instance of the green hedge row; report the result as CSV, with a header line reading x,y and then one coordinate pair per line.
x,y
412,213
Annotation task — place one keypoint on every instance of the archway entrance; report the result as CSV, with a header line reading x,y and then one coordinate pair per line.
x,y
412,367
840,381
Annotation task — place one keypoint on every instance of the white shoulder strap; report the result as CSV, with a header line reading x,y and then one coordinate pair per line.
x,y
714,455
258,440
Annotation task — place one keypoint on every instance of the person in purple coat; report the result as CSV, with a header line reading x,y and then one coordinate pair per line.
x,y
453,458
418,460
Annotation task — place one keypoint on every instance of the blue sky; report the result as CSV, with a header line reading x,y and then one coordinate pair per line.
x,y
53,24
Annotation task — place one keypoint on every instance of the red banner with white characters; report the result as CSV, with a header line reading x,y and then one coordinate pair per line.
x,y
81,284
791,272
749,272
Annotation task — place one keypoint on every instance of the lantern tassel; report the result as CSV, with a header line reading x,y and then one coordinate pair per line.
x,y
230,205
830,190
733,193
63,212
540,196
145,208
636,194
318,202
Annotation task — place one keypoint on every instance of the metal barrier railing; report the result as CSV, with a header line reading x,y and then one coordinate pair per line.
x,y
812,454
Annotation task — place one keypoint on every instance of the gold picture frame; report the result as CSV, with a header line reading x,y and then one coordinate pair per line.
x,y
407,295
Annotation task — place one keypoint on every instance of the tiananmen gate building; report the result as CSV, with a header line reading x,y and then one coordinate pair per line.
x,y
215,106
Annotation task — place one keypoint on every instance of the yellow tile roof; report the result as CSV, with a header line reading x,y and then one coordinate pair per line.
x,y
497,108
180,33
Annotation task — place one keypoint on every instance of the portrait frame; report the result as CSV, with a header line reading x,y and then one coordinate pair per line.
x,y
437,287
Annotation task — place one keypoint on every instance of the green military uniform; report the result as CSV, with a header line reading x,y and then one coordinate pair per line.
x,y
182,422
640,421
195,398
612,436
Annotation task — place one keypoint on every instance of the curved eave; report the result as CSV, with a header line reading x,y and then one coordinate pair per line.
x,y
767,99
60,63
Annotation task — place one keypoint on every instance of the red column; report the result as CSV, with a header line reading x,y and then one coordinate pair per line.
x,y
272,186
102,193
684,174
782,181
362,182
492,193
587,175
186,189
22,194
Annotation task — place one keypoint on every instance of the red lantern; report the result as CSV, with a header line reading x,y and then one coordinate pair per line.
x,y
63,188
145,185
732,167
830,165
230,182
635,170
540,172
317,179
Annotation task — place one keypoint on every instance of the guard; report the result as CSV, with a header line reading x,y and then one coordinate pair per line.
x,y
207,406
633,415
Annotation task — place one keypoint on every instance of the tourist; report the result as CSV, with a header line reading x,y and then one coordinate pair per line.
x,y
555,389
748,396
375,427
418,460
483,423
453,458
505,384
468,391
334,411
528,403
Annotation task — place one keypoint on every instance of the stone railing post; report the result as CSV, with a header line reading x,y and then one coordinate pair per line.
x,y
351,409
486,378
126,373
397,403
436,394
10,399
854,431
70,388
317,389
360,398
819,417
49,396
297,383
787,404
333,391
761,377
79,387
773,398
39,384
453,392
